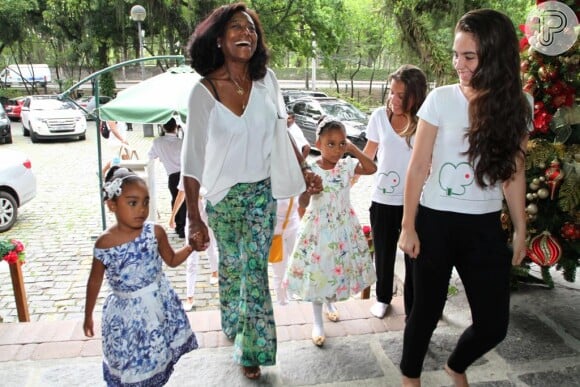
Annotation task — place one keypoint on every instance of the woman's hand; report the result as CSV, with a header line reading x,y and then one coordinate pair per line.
x,y
409,242
198,235
313,182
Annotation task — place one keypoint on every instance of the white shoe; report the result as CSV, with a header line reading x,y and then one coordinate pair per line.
x,y
379,309
187,306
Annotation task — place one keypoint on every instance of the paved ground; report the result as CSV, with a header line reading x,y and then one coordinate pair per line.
x,y
59,227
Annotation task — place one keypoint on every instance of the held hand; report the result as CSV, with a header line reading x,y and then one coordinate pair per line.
x,y
409,243
172,223
519,249
88,327
313,182
198,235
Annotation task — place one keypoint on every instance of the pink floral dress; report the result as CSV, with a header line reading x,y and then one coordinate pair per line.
x,y
331,259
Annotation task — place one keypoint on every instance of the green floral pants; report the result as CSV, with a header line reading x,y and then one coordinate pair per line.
x,y
243,223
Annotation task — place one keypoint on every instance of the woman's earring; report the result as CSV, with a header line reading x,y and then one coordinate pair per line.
x,y
219,45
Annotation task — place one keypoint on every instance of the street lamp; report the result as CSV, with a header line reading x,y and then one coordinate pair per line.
x,y
138,14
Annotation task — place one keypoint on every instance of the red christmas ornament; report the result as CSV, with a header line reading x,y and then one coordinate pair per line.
x,y
544,250
554,176
556,88
570,231
525,65
530,86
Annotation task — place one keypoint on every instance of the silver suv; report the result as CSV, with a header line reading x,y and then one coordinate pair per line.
x,y
46,117
308,111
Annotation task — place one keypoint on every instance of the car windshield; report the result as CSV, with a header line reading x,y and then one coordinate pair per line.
x,y
343,111
52,104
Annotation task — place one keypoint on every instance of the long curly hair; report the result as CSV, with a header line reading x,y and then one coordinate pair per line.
x,y
415,83
499,113
207,57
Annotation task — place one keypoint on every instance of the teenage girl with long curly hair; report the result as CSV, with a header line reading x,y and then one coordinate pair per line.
x,y
467,156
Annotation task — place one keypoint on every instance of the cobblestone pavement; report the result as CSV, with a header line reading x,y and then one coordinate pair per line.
x,y
60,225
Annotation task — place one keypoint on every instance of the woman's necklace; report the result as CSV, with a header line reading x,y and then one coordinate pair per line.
x,y
239,89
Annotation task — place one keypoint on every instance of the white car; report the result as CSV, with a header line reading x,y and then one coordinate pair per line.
x,y
17,185
45,117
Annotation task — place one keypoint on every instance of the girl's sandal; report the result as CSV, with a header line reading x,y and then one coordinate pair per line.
x,y
251,372
332,312
318,340
333,316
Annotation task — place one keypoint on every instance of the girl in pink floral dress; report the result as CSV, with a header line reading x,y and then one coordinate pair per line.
x,y
331,259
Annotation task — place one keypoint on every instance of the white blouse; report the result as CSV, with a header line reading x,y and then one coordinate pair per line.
x,y
221,149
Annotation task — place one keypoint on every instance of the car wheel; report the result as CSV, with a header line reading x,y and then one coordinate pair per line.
x,y
33,137
8,211
25,132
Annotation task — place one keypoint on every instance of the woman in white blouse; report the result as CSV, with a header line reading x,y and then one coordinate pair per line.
x,y
227,148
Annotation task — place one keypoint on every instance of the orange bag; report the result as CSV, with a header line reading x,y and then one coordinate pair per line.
x,y
276,249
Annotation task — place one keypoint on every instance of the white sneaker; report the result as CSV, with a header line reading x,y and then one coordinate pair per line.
x,y
379,309
213,280
187,306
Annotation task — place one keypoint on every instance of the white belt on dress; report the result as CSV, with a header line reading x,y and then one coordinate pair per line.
x,y
153,286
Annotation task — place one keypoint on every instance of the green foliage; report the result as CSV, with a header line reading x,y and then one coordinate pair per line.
x,y
13,19
107,84
353,37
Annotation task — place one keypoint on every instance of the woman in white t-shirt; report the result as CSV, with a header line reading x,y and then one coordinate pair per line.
x,y
468,154
390,133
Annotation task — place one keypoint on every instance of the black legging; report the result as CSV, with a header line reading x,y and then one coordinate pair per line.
x,y
476,246
172,183
386,227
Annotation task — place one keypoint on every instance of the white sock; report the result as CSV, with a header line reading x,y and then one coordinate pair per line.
x,y
317,324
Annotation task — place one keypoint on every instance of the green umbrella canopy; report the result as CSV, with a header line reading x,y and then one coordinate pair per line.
x,y
154,100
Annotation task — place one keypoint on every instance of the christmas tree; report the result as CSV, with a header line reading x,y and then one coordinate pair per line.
x,y
553,160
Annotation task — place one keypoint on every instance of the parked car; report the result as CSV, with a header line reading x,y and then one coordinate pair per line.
x,y
5,131
309,110
17,185
292,95
13,107
46,117
89,105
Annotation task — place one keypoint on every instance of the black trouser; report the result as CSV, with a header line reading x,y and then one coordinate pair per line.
x,y
476,246
172,184
386,227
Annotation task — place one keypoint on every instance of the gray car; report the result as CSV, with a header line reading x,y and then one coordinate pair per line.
x,y
5,130
308,111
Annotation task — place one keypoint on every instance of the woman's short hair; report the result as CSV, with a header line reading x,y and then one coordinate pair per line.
x,y
203,49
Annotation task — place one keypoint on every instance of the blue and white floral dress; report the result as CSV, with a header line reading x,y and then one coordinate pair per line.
x,y
145,329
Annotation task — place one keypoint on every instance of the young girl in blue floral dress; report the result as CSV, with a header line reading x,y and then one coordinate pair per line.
x,y
144,327
331,259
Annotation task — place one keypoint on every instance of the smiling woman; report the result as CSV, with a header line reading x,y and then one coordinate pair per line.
x,y
228,149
